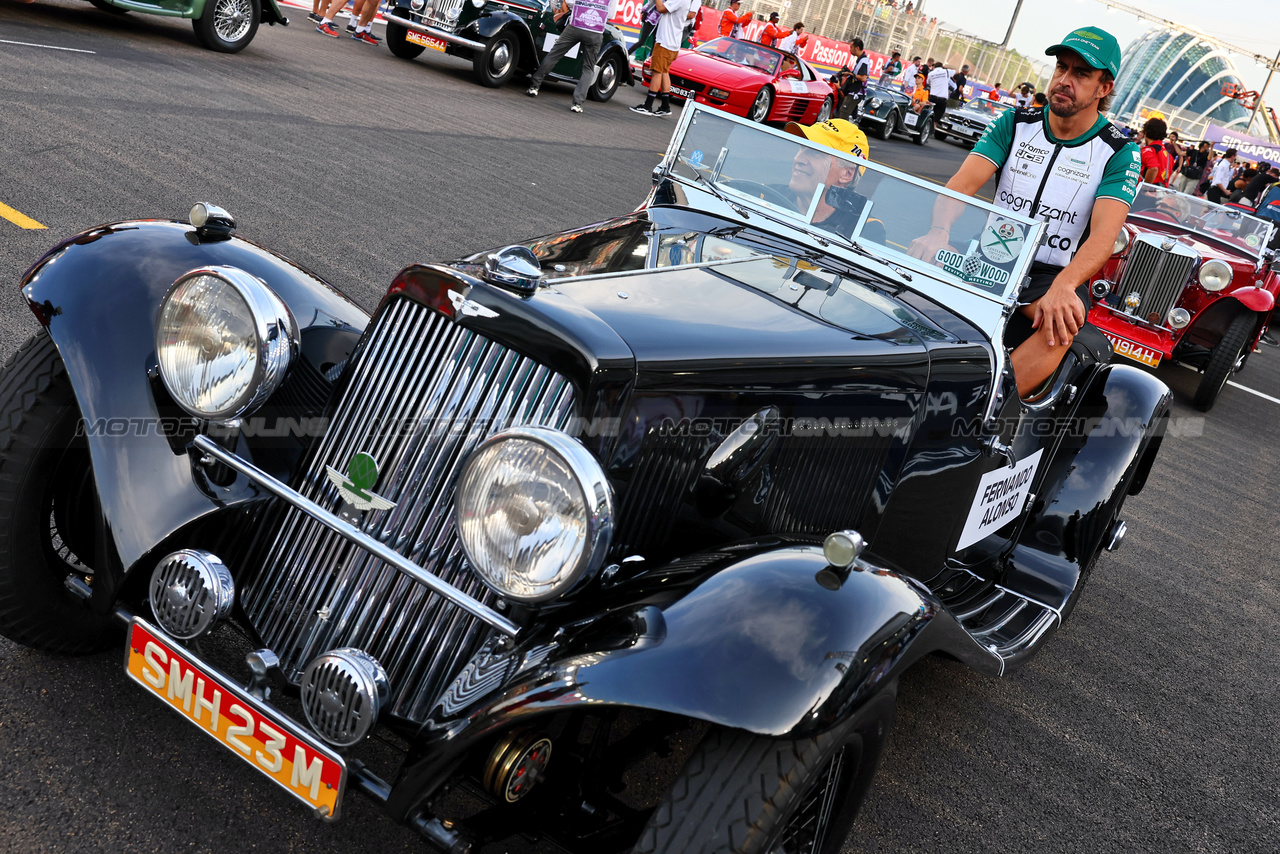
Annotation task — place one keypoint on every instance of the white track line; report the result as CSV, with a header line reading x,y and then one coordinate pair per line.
x,y
1241,387
47,46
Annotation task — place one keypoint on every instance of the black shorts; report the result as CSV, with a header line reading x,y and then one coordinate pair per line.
x,y
1039,279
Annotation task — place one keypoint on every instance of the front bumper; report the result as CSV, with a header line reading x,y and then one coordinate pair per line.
x,y
1132,340
451,38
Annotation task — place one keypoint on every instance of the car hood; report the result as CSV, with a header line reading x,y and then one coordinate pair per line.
x,y
1207,247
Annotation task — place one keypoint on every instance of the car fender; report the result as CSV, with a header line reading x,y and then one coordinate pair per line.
x,y
98,294
1107,450
777,643
1254,299
493,22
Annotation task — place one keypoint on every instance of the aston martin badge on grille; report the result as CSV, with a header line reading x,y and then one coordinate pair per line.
x,y
356,486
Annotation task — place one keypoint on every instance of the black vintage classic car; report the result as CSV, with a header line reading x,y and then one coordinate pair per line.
x,y
624,533
885,110
501,39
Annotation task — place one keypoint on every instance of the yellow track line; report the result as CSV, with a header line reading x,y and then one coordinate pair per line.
x,y
18,218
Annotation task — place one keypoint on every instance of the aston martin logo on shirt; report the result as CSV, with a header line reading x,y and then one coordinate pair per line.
x,y
356,486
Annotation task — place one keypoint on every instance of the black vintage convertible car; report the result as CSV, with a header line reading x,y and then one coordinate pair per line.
x,y
885,110
502,40
622,535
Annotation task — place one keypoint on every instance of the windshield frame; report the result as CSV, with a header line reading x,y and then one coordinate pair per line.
x,y
778,55
986,311
1205,235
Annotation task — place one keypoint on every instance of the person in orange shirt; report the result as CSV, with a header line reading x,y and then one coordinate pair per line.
x,y
731,23
994,94
772,33
920,96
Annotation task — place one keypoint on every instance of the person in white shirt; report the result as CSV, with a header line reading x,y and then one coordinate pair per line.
x,y
791,42
667,38
938,83
1220,177
1023,98
908,77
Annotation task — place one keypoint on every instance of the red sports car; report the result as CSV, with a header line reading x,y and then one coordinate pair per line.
x,y
1189,281
751,80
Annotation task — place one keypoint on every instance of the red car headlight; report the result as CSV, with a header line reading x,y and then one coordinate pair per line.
x,y
721,94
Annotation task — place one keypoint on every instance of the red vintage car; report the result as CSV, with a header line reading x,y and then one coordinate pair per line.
x,y
1189,281
752,80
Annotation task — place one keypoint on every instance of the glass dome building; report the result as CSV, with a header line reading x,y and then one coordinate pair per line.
x,y
1177,74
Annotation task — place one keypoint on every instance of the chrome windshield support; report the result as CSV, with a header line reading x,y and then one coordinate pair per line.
x,y
356,536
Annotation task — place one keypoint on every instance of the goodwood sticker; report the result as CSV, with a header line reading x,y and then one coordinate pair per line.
x,y
973,270
1001,494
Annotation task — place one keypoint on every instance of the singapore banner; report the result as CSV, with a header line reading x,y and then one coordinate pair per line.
x,y
1249,147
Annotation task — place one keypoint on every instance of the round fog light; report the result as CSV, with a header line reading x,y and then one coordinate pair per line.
x,y
191,592
342,693
1179,317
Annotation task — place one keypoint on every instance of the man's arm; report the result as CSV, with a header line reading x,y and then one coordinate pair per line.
x,y
1060,308
973,173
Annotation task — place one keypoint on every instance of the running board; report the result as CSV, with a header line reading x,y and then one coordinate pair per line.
x,y
1006,623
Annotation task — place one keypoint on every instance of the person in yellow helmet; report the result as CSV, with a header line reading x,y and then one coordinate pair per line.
x,y
841,205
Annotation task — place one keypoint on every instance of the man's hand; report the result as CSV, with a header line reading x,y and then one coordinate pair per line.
x,y
1060,311
926,246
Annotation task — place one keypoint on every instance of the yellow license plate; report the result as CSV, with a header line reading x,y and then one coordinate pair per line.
x,y
426,41
247,727
1137,352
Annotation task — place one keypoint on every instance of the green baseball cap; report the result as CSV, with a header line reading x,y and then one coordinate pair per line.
x,y
1095,45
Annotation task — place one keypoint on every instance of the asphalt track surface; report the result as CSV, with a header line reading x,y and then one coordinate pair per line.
x,y
1147,723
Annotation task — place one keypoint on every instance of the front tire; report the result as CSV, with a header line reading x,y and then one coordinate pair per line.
x,y
608,78
742,793
1223,361
824,112
47,507
761,106
398,42
494,65
890,123
227,26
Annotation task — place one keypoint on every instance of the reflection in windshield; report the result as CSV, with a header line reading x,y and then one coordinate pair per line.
x,y
853,199
1227,225
754,56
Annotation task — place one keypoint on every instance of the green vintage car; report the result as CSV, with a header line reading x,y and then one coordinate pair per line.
x,y
226,26
500,39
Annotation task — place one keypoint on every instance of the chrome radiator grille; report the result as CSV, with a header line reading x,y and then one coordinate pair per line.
x,y
443,15
1158,277
423,393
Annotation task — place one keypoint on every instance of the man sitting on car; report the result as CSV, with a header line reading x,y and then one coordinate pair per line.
x,y
1084,207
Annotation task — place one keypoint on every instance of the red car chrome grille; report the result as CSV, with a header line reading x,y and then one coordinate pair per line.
x,y
1157,275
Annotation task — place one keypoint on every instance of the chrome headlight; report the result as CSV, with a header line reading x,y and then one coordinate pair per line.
x,y
1179,317
1122,241
224,341
478,3
534,513
875,103
416,5
454,14
1215,275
